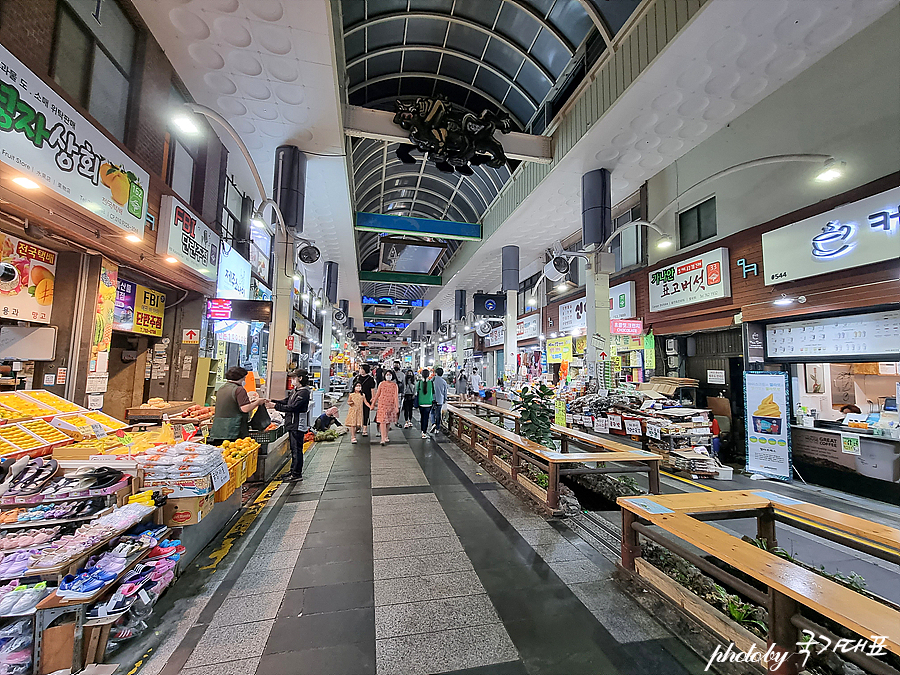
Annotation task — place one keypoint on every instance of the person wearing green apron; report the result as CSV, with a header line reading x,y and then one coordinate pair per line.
x,y
233,408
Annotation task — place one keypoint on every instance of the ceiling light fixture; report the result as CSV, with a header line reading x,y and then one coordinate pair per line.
x,y
257,220
171,260
26,183
561,287
185,123
665,242
133,238
783,301
553,335
832,170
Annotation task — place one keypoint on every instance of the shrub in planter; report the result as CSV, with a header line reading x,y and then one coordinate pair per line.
x,y
536,408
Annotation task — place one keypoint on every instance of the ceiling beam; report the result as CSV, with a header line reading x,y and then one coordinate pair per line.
x,y
379,124
408,278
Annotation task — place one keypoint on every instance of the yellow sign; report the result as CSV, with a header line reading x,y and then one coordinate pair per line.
x,y
559,350
149,308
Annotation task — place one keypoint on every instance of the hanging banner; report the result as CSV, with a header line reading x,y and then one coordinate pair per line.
x,y
767,428
187,239
559,350
53,145
697,279
649,352
104,317
138,309
28,296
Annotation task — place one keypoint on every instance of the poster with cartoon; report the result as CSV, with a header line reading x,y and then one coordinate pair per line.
x,y
104,316
768,430
27,276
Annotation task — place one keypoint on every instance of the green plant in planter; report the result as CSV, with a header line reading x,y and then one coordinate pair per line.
x,y
537,412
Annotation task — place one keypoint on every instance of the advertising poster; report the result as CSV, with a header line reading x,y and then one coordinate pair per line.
x,y
698,279
559,350
58,148
768,431
28,296
138,309
105,314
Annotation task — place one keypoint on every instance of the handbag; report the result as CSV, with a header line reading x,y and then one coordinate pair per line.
x,y
260,419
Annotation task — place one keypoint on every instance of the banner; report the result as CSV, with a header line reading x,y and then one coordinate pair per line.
x,y
768,431
559,350
698,279
138,309
187,239
28,295
573,315
53,145
103,319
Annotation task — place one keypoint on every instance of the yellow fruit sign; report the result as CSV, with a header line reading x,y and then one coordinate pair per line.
x,y
28,295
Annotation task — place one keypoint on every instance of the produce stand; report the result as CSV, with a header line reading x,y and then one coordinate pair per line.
x,y
140,414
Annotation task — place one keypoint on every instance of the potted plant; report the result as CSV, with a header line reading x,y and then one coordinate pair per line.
x,y
536,408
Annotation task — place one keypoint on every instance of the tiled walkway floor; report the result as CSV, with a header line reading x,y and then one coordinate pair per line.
x,y
409,559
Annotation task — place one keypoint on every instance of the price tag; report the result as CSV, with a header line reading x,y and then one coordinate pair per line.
x,y
633,427
700,432
601,425
142,594
603,392
220,476
699,419
587,420
86,431
615,422
646,405
98,430
654,431
568,419
188,431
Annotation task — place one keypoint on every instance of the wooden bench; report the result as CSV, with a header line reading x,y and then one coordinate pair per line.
x,y
486,438
790,587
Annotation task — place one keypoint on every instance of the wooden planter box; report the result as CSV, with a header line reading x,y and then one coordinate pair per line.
x,y
504,466
536,490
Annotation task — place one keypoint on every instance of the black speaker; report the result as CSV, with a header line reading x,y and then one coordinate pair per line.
x,y
290,185
487,304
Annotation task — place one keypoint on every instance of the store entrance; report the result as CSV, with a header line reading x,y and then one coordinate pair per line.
x,y
128,378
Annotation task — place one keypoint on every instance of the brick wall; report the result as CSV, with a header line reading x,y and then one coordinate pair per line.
x,y
26,29
153,82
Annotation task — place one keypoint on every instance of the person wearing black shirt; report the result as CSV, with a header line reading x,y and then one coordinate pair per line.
x,y
368,383
296,419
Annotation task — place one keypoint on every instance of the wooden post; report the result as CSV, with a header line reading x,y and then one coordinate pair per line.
x,y
782,632
653,478
563,443
514,464
473,436
765,527
518,423
553,486
631,548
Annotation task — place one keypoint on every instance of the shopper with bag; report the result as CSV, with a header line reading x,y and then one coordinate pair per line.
x,y
296,419
425,400
233,408
409,398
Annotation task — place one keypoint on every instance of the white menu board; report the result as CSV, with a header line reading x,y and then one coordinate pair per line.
x,y
855,335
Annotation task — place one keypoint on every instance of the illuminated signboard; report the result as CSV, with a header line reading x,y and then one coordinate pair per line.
x,y
224,309
393,302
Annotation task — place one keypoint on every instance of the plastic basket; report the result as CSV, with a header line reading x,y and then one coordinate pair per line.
x,y
252,463
267,436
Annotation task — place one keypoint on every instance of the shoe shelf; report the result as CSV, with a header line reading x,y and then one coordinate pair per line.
x,y
62,521
12,501
36,547
54,601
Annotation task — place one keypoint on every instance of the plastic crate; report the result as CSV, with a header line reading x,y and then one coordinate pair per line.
x,y
267,436
252,463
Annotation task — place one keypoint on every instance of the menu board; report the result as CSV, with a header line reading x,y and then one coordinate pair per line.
x,y
853,336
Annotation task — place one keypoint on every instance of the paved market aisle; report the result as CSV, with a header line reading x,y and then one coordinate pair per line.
x,y
408,559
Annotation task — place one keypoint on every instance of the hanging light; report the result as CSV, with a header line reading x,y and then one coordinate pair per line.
x,y
831,171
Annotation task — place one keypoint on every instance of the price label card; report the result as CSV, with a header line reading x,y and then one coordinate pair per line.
x,y
568,419
603,392
98,430
615,422
646,405
601,425
633,427
700,432
220,476
188,431
654,431
699,419
587,420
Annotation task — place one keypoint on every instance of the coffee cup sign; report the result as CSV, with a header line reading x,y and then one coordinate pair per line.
x,y
833,241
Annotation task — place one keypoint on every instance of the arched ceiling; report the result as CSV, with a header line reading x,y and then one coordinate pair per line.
x,y
510,55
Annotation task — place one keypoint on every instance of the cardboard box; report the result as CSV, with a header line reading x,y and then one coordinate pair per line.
x,y
187,510
186,487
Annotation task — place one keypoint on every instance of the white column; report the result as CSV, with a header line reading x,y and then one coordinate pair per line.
x,y
597,296
280,327
509,335
325,380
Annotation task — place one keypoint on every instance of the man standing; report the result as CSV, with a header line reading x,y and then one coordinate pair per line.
x,y
367,382
398,378
440,397
295,406
475,384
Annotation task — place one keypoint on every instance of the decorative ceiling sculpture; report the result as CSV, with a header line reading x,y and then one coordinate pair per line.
x,y
453,138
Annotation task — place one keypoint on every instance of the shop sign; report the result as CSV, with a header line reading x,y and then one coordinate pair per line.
x,y
528,328
768,433
138,309
623,327
573,315
53,145
388,301
495,337
234,283
187,239
698,279
857,335
559,349
28,296
852,235
621,301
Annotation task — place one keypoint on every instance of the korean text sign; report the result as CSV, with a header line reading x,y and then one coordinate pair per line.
x,y
698,279
53,145
768,431
187,239
28,296
559,349
139,309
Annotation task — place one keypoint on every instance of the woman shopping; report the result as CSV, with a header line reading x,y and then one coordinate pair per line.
x,y
233,408
386,403
425,399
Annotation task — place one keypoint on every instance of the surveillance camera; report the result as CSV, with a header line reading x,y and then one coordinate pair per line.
x,y
556,269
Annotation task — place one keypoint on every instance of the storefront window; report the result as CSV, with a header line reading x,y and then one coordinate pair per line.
x,y
93,59
697,223
627,247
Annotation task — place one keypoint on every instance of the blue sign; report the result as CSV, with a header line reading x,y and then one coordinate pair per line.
x,y
445,229
392,302
490,305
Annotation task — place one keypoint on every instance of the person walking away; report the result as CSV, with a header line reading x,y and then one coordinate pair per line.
x,y
355,406
233,408
398,378
368,387
327,420
440,397
386,400
475,384
462,385
409,398
425,399
295,407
